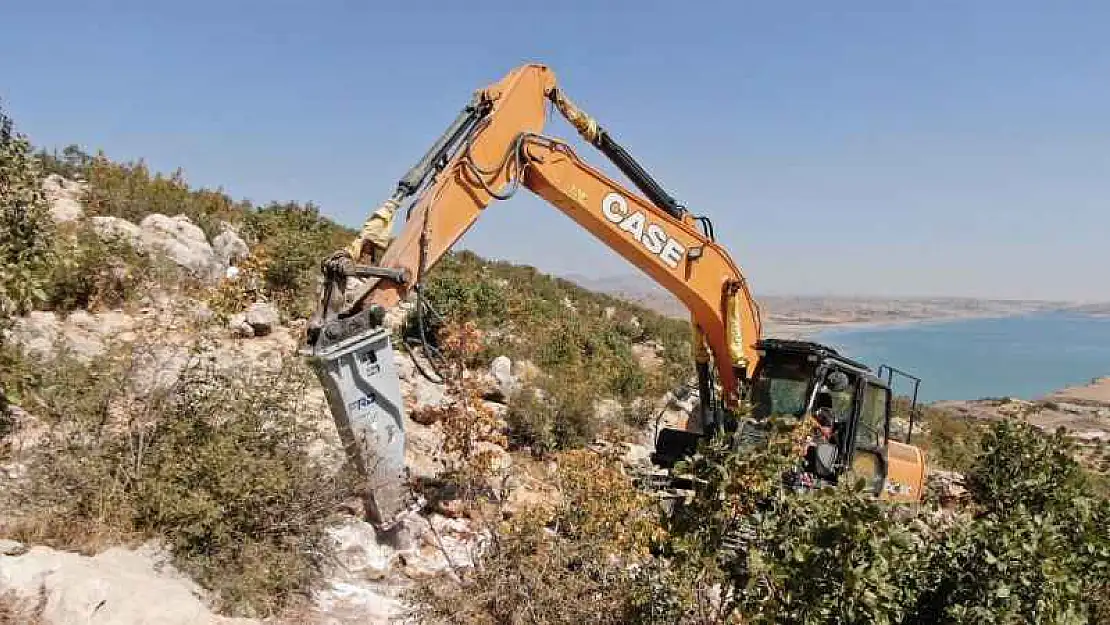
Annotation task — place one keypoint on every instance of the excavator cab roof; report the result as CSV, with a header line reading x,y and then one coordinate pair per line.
x,y
817,353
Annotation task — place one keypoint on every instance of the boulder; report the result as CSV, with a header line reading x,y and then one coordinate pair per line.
x,y
83,333
12,547
239,326
230,248
118,586
64,197
500,460
607,409
182,242
371,570
531,494
37,333
648,355
262,317
114,228
502,371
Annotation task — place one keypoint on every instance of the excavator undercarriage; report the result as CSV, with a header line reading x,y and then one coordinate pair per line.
x,y
492,149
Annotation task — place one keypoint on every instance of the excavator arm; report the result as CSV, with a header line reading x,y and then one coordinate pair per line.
x,y
493,148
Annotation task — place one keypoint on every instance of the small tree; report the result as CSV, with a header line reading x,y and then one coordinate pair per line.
x,y
26,228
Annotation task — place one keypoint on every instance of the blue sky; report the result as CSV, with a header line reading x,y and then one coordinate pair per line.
x,y
890,148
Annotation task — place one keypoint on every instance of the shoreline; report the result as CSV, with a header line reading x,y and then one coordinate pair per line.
x,y
809,331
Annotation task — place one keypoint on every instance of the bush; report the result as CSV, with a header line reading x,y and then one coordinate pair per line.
x,y
1020,467
92,273
26,227
218,468
131,191
566,566
557,414
295,239
581,340
1037,551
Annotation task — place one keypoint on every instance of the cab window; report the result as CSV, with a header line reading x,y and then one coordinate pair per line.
x,y
782,388
872,418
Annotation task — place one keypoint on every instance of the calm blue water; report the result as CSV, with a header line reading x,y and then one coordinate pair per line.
x,y
1026,356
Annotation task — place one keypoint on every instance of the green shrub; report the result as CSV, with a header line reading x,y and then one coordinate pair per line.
x,y
583,340
951,442
131,191
1036,552
26,227
217,467
295,239
93,273
556,414
1019,466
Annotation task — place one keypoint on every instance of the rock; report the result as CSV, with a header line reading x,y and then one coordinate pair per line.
x,y
607,409
263,318
182,242
239,326
344,603
230,249
637,455
419,392
37,333
423,450
428,394
12,547
114,228
84,334
358,553
502,371
371,569
649,355
118,586
158,367
636,327
684,400
451,508
64,197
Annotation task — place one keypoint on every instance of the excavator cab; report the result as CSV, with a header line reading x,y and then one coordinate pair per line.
x,y
851,405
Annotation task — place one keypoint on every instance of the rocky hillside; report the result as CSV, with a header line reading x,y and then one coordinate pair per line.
x,y
147,328
159,438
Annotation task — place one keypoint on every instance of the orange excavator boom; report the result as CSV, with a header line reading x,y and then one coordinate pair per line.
x,y
495,147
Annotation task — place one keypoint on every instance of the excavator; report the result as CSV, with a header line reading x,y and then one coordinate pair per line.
x,y
494,147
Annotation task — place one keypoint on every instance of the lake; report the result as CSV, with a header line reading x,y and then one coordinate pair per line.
x,y
1024,356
